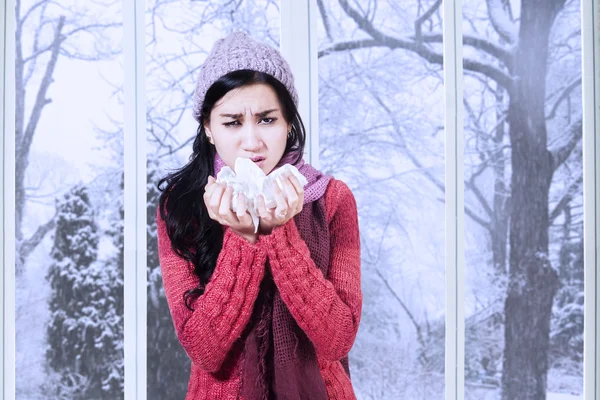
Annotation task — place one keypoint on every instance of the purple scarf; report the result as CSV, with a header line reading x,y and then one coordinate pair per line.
x,y
279,359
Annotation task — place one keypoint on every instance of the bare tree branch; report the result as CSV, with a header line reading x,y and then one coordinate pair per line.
x,y
426,15
41,100
28,245
350,45
21,21
480,197
405,308
560,155
566,199
563,95
502,54
36,43
417,163
90,27
325,19
425,52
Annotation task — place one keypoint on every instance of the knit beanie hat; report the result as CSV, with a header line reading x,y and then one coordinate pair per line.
x,y
236,52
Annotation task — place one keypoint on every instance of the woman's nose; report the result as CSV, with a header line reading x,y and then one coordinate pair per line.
x,y
250,138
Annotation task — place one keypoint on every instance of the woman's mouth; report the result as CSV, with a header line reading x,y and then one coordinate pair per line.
x,y
258,160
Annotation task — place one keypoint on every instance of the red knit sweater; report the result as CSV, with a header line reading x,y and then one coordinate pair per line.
x,y
328,310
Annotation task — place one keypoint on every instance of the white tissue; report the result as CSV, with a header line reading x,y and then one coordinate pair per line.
x,y
250,180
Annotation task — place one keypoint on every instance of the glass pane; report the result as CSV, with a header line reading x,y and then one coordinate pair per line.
x,y
69,200
381,111
178,39
523,199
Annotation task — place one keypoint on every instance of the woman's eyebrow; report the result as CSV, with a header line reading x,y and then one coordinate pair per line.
x,y
234,116
263,114
260,114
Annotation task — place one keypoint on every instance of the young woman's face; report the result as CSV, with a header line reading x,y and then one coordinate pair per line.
x,y
248,122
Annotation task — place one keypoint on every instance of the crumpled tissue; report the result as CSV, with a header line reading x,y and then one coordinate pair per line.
x,y
250,180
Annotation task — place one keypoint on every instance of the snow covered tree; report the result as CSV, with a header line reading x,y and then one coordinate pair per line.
x,y
85,329
114,267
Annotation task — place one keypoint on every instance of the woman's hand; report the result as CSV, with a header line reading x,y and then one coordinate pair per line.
x,y
218,198
288,206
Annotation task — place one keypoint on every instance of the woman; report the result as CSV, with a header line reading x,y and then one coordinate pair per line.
x,y
271,314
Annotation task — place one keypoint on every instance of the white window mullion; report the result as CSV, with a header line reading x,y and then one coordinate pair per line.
x,y
594,17
7,213
299,46
591,195
135,200
455,283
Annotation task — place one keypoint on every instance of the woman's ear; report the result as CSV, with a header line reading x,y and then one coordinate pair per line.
x,y
209,134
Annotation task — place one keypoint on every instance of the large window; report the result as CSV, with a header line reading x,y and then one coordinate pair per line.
x,y
69,200
381,113
524,200
467,130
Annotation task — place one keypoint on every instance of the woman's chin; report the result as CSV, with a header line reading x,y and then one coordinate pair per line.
x,y
267,169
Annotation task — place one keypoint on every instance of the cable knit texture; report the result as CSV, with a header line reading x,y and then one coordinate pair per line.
x,y
236,52
327,310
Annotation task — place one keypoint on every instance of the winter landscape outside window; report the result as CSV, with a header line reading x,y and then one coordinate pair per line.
x,y
381,114
529,283
524,199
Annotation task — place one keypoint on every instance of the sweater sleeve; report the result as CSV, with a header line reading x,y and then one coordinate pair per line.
x,y
328,310
220,314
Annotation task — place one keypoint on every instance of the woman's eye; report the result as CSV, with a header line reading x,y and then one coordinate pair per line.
x,y
267,120
232,123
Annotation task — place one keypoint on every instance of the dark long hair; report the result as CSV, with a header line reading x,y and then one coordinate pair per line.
x,y
194,235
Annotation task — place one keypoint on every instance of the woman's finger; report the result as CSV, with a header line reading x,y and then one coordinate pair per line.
x,y
225,206
215,198
281,209
211,212
262,208
241,211
290,193
297,185
209,188
240,206
300,191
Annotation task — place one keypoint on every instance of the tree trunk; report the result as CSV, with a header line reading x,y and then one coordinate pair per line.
x,y
532,280
499,225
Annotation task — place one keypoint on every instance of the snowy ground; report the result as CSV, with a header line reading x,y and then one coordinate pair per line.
x,y
563,396
480,394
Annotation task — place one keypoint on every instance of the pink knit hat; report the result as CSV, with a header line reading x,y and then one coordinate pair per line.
x,y
239,51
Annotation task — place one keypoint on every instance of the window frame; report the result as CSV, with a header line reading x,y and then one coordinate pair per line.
x,y
299,45
7,215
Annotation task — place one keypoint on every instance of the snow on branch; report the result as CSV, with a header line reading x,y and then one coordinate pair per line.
x,y
501,21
